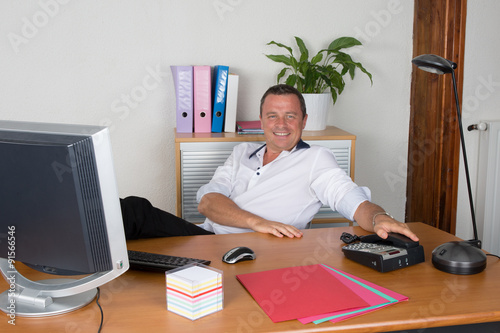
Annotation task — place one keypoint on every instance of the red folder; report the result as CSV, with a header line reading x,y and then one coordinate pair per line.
x,y
297,292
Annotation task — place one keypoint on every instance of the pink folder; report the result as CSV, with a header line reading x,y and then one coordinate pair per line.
x,y
376,296
202,78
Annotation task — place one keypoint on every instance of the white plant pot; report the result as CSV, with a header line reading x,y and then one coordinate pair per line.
x,y
317,106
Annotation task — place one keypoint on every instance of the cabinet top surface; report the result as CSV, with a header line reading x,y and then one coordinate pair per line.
x,y
330,133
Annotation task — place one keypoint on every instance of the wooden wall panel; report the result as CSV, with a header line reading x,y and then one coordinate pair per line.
x,y
434,146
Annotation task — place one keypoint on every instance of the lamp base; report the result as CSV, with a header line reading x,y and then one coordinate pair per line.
x,y
459,258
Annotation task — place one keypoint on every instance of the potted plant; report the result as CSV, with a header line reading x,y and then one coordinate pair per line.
x,y
321,78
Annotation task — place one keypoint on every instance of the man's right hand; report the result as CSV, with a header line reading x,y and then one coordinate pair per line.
x,y
276,228
222,210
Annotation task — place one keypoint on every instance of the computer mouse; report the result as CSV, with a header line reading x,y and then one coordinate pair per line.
x,y
239,253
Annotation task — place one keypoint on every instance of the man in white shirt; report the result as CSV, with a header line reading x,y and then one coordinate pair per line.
x,y
278,188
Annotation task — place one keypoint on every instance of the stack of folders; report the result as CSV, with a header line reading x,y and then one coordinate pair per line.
x,y
249,127
316,293
194,291
206,99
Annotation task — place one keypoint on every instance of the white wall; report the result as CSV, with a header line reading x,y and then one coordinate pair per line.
x,y
481,94
107,62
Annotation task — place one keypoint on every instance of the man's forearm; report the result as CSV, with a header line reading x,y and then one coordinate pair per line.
x,y
222,210
364,214
368,218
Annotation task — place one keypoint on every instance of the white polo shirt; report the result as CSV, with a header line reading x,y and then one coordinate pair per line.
x,y
291,189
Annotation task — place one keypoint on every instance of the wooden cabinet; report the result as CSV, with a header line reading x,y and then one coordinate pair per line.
x,y
199,154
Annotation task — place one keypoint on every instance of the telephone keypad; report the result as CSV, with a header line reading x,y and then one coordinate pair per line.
x,y
369,247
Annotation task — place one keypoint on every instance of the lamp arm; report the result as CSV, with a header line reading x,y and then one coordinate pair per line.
x,y
462,139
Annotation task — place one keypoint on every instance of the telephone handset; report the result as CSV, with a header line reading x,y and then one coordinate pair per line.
x,y
397,240
394,252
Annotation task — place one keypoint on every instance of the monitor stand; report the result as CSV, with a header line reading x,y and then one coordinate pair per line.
x,y
26,298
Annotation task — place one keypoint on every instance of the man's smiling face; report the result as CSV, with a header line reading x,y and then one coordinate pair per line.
x,y
282,122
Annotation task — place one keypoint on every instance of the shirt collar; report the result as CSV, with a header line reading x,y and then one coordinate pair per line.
x,y
300,145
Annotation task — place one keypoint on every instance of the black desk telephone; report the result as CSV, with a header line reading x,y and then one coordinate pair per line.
x,y
384,255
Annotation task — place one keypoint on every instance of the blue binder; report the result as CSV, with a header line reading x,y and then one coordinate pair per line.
x,y
219,97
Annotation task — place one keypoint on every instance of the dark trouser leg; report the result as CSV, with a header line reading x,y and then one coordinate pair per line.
x,y
142,220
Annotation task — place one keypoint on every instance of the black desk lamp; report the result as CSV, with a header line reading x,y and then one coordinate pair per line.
x,y
463,257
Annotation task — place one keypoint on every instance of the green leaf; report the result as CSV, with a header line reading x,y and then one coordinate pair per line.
x,y
281,58
343,43
303,67
281,45
342,57
334,95
351,66
352,71
304,53
336,81
310,80
364,71
281,74
317,58
291,80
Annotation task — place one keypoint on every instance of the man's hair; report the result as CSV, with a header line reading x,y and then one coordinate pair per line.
x,y
283,89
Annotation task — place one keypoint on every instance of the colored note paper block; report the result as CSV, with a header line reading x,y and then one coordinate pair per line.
x,y
194,291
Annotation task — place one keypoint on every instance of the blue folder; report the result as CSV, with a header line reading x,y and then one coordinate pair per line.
x,y
219,97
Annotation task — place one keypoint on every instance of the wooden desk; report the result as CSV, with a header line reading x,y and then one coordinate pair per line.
x,y
135,302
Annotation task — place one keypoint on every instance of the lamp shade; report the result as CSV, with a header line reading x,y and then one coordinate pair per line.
x,y
434,64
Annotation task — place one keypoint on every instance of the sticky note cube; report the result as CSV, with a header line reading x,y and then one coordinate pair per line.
x,y
194,291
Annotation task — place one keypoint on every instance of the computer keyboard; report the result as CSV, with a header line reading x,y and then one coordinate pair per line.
x,y
159,262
